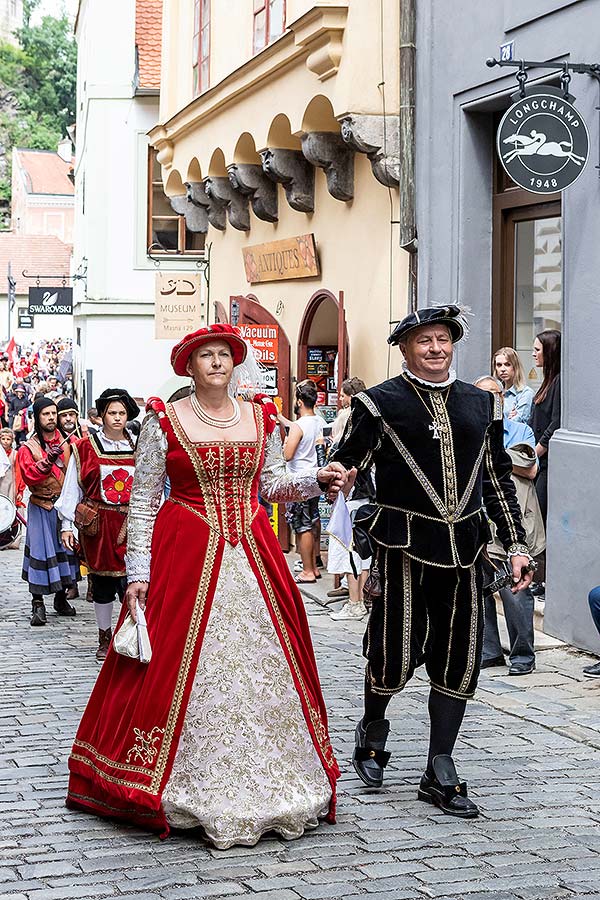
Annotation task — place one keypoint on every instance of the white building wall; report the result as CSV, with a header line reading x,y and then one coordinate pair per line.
x,y
114,304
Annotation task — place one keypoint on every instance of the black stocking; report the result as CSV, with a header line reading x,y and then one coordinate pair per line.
x,y
375,705
446,715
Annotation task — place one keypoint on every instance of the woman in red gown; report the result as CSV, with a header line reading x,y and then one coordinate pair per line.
x,y
226,728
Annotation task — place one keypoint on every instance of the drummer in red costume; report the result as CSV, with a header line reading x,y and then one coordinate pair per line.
x,y
225,729
95,496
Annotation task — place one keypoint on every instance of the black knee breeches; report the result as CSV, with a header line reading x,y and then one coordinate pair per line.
x,y
425,614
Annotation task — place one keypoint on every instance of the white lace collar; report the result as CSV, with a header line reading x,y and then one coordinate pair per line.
x,y
430,384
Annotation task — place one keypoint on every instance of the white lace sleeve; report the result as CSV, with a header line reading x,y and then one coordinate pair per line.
x,y
277,485
146,497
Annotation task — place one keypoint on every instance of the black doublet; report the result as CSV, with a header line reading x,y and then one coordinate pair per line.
x,y
431,492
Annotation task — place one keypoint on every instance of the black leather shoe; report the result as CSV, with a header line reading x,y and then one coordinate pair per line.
x,y
38,613
492,663
370,756
522,669
445,791
62,607
592,671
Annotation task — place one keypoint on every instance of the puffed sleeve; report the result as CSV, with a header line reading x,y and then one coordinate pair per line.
x,y
146,497
277,485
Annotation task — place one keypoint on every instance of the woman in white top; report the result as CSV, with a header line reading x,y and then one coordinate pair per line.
x,y
518,396
300,453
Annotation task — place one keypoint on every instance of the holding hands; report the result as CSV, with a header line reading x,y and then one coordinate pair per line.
x,y
334,476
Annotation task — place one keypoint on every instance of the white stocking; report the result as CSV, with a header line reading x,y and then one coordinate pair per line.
x,y
103,615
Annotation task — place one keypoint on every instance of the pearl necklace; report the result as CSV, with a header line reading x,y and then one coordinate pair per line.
x,y
210,420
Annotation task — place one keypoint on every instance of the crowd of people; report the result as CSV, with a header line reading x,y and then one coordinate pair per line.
x,y
232,678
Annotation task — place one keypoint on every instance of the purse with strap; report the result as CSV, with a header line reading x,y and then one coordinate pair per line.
x,y
86,517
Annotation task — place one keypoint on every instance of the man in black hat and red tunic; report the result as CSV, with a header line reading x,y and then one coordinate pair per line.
x,y
47,566
95,498
437,446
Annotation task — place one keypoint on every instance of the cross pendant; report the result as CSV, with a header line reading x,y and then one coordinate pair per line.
x,y
436,431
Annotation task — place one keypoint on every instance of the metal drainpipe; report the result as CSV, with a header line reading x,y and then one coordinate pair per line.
x,y
408,228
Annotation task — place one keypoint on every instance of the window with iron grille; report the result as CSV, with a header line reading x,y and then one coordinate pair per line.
x,y
269,22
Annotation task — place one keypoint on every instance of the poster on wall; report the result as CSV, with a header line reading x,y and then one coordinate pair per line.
x,y
543,141
264,340
178,306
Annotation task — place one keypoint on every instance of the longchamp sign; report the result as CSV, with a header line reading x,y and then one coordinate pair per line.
x,y
543,141
51,301
294,257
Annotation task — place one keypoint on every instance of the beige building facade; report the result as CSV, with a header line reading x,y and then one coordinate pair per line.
x,y
278,142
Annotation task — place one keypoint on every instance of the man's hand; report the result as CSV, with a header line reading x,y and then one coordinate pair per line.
x,y
520,580
136,592
334,476
54,452
67,540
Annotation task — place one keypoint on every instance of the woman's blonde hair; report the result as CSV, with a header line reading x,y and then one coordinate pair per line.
x,y
515,362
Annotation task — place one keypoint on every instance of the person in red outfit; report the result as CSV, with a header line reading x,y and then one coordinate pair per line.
x,y
47,566
225,729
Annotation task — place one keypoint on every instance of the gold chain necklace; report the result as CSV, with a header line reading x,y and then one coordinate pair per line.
x,y
439,424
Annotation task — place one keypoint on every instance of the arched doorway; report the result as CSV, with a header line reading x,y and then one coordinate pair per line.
x,y
323,349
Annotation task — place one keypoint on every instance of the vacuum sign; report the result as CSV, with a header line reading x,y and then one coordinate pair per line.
x,y
52,301
543,142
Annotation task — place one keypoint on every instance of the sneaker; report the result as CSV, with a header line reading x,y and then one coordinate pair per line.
x,y
298,565
592,671
350,611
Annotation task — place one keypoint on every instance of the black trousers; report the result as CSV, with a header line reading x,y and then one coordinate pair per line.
x,y
106,588
426,614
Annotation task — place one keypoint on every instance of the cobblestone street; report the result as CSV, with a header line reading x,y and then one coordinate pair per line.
x,y
530,749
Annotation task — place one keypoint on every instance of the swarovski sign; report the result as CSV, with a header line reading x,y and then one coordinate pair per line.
x,y
51,301
543,141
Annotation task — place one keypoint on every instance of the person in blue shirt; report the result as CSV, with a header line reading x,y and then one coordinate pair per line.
x,y
593,671
518,397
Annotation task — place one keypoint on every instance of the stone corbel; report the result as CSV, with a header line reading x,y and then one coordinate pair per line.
x,y
329,152
199,198
295,173
221,192
164,155
379,138
320,32
251,181
196,216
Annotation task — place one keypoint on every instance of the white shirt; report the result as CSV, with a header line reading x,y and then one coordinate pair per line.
x,y
305,456
71,493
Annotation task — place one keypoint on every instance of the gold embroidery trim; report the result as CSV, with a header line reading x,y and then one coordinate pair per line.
x,y
144,747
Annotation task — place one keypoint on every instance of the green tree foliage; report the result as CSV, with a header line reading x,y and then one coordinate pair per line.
x,y
37,88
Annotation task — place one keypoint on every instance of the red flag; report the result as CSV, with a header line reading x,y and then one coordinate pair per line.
x,y
13,353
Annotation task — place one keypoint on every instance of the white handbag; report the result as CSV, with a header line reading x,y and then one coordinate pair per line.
x,y
132,638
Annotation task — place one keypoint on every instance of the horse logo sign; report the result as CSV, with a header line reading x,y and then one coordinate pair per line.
x,y
543,142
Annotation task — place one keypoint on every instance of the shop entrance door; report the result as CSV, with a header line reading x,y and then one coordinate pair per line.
x,y
323,351
527,270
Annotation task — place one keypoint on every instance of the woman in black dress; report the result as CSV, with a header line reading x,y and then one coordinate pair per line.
x,y
545,414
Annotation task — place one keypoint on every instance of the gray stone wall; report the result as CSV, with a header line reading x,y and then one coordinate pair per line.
x,y
456,97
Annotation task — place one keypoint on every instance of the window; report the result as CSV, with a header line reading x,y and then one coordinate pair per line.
x,y
269,22
166,230
201,46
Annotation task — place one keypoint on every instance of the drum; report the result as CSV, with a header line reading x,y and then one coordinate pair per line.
x,y
10,527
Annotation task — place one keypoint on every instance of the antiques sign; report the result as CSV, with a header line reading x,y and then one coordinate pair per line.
x,y
177,305
294,257
52,301
543,141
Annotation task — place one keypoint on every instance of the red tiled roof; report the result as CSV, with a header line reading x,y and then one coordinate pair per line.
x,y
148,40
35,254
45,172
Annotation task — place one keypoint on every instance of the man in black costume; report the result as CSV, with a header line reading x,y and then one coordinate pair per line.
x,y
437,446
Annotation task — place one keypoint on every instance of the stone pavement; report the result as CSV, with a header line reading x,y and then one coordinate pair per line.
x,y
530,749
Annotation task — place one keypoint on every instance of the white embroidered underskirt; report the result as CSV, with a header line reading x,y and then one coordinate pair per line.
x,y
246,763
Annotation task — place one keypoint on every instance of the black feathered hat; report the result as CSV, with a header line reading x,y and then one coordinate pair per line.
x,y
453,316
122,396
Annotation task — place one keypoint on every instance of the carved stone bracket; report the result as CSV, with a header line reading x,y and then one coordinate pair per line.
x,y
295,173
196,216
251,181
329,152
199,198
320,33
222,193
379,138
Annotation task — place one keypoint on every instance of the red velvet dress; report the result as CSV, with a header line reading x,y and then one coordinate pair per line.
x,y
212,546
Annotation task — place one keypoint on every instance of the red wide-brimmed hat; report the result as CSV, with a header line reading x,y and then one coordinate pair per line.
x,y
219,332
